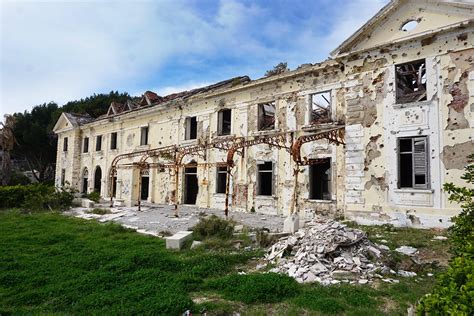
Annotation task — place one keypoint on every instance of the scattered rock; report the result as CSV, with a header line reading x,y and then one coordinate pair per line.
x,y
407,250
440,238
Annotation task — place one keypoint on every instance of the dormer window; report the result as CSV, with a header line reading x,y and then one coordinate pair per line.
x,y
411,82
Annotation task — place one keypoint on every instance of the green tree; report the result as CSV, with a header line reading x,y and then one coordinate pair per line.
x,y
7,142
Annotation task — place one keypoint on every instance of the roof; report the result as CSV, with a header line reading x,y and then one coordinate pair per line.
x,y
77,119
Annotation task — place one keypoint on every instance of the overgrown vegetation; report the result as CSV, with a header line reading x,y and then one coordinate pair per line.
x,y
99,211
213,227
94,196
278,69
36,197
454,293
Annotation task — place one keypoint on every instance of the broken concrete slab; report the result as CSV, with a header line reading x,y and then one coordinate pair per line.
x,y
291,224
196,244
407,250
177,240
87,203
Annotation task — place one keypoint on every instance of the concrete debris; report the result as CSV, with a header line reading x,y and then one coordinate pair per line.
x,y
406,274
407,250
440,238
327,252
195,244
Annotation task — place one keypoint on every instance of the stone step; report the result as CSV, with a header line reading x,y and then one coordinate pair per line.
x,y
177,240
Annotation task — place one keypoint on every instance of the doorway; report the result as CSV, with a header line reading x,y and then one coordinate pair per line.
x,y
98,179
190,185
145,185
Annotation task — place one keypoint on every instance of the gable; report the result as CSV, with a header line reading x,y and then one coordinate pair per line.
x,y
387,26
63,123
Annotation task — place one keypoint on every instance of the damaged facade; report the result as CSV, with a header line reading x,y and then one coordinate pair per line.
x,y
372,133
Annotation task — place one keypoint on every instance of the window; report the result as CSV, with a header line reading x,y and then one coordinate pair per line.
x,y
221,179
191,128
266,116
320,179
411,82
144,136
65,144
85,146
63,177
98,143
413,163
224,122
113,140
321,107
265,178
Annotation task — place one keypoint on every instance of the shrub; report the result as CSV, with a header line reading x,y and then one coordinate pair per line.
x,y
255,288
94,196
59,199
454,292
18,178
213,226
14,196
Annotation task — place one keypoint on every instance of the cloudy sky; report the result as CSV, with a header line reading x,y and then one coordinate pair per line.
x,y
66,50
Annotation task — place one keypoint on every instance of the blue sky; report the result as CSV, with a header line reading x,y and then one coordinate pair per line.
x,y
66,50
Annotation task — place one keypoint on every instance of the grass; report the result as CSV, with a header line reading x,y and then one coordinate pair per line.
x,y
54,264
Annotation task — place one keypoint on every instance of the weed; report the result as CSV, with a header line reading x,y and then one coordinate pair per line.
x,y
94,196
213,226
99,211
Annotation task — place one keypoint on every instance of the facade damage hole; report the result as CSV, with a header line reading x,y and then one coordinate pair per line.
x,y
144,136
320,175
266,116
409,25
85,145
413,170
98,143
145,185
221,178
65,144
265,178
191,128
113,140
97,179
411,82
321,107
85,180
190,185
224,122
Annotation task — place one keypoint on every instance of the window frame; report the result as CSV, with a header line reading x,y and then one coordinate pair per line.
x,y
414,186
144,131
259,180
261,111
398,97
220,122
329,181
220,173
113,140
188,128
98,143
85,145
65,144
329,108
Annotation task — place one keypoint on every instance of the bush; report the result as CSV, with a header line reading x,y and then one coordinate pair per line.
x,y
454,293
51,199
94,196
19,178
14,196
213,226
255,288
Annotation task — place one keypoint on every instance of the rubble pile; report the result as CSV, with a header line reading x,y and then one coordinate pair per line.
x,y
327,252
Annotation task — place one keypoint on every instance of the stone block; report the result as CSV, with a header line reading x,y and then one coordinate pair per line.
x,y
118,202
87,203
177,240
291,224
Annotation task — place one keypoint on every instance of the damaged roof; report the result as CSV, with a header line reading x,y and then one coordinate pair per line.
x,y
77,119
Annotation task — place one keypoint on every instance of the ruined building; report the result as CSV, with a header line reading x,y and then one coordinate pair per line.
x,y
372,133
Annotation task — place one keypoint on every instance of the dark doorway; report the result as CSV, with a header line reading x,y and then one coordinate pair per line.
x,y
114,186
190,185
97,180
145,187
85,180
320,180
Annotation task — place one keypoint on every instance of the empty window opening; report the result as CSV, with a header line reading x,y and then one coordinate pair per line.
x,y
63,177
190,185
98,143
114,186
321,107
266,116
265,178
221,179
224,122
144,136
85,146
320,179
65,143
411,82
113,140
409,25
191,128
98,180
85,180
413,163
145,186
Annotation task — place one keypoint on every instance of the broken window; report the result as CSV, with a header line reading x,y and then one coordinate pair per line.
x,y
144,136
266,116
320,180
98,143
265,178
85,146
113,140
191,128
413,163
411,82
221,179
224,122
321,107
63,177
65,144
